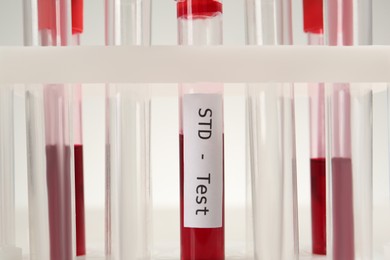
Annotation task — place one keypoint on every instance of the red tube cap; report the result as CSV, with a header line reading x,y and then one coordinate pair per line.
x,y
198,8
46,14
313,16
77,16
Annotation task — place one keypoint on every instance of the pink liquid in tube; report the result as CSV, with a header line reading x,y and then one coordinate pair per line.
x,y
342,175
341,33
343,221
342,182
59,201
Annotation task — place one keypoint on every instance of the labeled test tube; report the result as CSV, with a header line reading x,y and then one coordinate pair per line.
x,y
201,137
271,128
49,144
128,189
349,22
8,249
314,28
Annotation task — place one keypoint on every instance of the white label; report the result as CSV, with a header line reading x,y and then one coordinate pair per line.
x,y
203,161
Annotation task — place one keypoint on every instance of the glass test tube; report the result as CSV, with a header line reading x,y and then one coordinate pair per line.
x,y
201,138
271,128
386,247
388,117
77,29
49,144
349,22
314,27
8,249
128,190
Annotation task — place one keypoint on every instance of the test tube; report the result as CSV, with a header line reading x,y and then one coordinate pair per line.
x,y
271,128
388,117
77,30
49,144
201,137
8,249
128,189
349,184
350,175
314,28
79,171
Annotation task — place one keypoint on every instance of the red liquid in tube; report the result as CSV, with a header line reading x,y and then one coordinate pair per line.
x,y
318,205
203,240
80,208
314,26
199,243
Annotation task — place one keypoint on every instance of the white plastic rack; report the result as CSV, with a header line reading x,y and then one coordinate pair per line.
x,y
171,64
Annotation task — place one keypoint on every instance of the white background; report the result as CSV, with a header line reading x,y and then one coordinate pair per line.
x,y
165,120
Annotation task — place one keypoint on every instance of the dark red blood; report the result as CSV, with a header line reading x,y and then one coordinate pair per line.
x,y
80,210
318,205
